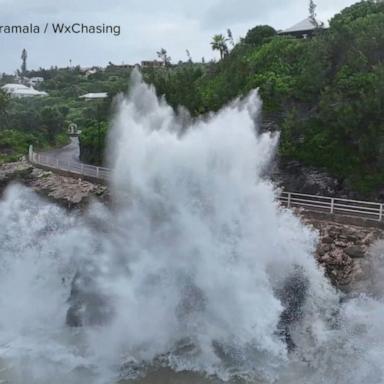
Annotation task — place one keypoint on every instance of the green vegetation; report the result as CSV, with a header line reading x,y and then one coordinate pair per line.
x,y
43,121
29,121
163,56
258,35
93,142
325,94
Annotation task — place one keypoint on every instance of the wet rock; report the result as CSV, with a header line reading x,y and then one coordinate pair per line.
x,y
341,244
87,304
323,249
334,232
292,296
17,171
355,252
358,272
369,238
342,249
337,257
301,179
68,191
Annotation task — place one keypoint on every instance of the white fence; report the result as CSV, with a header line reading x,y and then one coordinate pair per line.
x,y
362,209
69,166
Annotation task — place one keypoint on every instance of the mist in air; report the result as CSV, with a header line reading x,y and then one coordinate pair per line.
x,y
191,269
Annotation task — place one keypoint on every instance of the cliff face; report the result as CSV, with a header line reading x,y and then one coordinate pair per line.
x,y
296,177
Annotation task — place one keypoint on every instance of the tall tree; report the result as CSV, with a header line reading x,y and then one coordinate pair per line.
x,y
163,56
52,122
219,43
24,56
230,37
4,101
189,56
313,15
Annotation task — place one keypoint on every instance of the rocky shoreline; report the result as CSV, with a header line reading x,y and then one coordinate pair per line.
x,y
68,192
343,250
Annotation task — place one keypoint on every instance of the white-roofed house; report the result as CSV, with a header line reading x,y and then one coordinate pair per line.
x,y
94,96
306,28
22,91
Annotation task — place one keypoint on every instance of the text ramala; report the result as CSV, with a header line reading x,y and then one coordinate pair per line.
x,y
20,29
61,28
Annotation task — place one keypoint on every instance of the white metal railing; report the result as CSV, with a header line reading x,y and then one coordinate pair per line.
x,y
80,169
334,205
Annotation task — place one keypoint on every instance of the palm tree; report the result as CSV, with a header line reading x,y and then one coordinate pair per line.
x,y
163,56
219,43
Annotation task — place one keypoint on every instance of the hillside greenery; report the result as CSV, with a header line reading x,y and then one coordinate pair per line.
x,y
325,95
43,122
29,121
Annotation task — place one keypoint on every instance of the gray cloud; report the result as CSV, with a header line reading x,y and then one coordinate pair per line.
x,y
230,12
145,27
278,13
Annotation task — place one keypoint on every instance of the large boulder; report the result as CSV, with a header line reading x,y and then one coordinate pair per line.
x,y
292,295
87,305
355,252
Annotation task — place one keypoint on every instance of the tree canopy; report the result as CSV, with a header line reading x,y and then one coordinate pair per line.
x,y
257,35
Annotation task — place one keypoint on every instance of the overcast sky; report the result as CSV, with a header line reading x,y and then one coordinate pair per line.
x,y
146,26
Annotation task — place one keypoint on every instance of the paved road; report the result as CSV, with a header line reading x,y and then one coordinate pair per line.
x,y
70,152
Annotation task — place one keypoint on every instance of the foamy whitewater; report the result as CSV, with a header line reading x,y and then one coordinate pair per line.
x,y
187,268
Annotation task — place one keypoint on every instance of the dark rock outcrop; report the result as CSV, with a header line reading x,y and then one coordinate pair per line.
x,y
292,296
295,177
355,252
87,305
